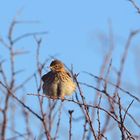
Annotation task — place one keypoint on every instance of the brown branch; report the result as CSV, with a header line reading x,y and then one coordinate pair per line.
x,y
27,121
86,109
70,124
121,126
112,99
85,129
38,87
28,35
120,88
5,110
58,122
127,110
78,103
18,136
3,74
19,101
135,5
8,89
87,105
98,119
123,59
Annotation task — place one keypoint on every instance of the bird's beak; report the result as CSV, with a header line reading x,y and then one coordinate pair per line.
x,y
48,67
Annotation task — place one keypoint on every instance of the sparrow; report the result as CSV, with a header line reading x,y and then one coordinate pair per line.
x,y
58,82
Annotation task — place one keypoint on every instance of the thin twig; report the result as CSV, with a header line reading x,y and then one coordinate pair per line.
x,y
127,110
120,88
135,5
98,119
88,105
19,101
70,124
86,109
58,122
28,35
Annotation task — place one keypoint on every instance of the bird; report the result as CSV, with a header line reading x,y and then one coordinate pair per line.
x,y
58,82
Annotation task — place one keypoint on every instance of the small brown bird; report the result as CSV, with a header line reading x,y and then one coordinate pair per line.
x,y
58,82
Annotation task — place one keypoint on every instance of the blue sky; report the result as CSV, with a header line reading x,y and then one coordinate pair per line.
x,y
73,29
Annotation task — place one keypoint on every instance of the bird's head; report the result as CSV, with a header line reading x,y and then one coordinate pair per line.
x,y
57,66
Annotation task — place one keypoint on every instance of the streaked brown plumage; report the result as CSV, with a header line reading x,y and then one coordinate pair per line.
x,y
58,82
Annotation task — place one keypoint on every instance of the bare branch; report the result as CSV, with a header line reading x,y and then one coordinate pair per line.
x,y
70,124
135,5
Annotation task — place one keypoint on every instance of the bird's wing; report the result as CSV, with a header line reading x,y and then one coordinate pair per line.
x,y
47,77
